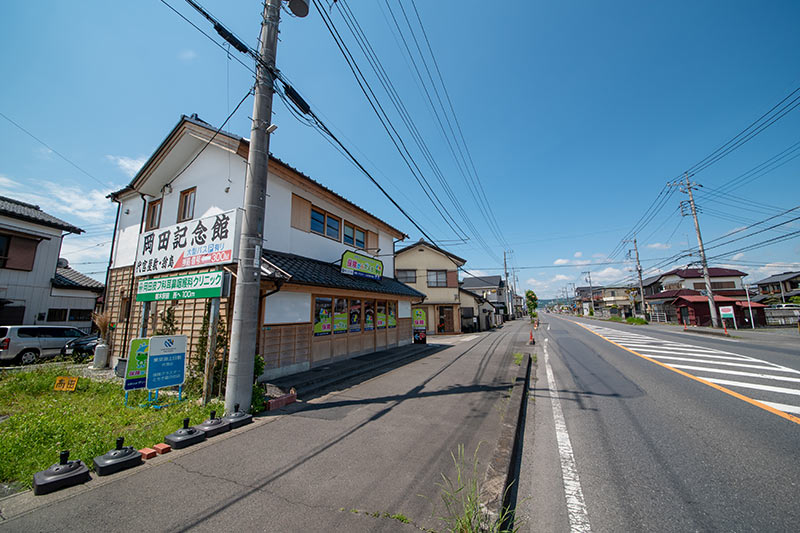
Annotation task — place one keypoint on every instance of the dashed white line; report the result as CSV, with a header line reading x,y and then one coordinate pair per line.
x,y
576,506
736,373
744,385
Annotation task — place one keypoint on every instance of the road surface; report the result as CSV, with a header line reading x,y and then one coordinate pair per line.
x,y
653,429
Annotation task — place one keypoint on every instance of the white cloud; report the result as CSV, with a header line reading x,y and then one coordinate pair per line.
x,y
582,262
770,269
560,277
561,262
129,165
738,256
578,254
7,183
599,256
659,246
608,274
187,55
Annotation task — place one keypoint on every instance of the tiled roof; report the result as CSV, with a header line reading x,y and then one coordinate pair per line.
x,y
697,298
778,277
713,272
33,213
67,278
482,281
307,271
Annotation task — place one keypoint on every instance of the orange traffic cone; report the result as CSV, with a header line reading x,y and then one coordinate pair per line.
x,y
531,338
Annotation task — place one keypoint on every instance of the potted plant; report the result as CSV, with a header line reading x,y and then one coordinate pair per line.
x,y
102,321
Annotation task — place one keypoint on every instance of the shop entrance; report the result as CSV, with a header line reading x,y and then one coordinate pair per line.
x,y
445,323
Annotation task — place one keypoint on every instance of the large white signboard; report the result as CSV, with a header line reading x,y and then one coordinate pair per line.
x,y
207,241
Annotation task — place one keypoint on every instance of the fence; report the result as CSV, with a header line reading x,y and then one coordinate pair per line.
x,y
782,317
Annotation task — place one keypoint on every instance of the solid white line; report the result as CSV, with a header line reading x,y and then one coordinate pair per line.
x,y
723,363
786,408
736,373
576,507
673,347
768,388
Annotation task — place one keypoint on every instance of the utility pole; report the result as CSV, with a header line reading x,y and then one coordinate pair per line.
x,y
244,329
711,306
591,291
505,270
639,271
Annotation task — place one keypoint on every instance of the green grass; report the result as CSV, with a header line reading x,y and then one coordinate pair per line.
x,y
636,320
517,358
615,318
43,421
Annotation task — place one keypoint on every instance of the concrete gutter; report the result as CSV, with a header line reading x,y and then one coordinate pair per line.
x,y
501,475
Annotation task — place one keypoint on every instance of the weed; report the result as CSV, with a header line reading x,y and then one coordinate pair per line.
x,y
518,358
615,318
86,422
638,321
400,518
461,498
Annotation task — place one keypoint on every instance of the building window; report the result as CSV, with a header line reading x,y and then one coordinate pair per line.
x,y
355,316
381,315
56,315
124,309
369,315
354,236
339,315
80,315
325,224
332,227
317,221
407,276
322,316
437,278
186,205
5,241
153,215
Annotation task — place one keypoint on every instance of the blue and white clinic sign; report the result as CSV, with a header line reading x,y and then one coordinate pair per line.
x,y
166,363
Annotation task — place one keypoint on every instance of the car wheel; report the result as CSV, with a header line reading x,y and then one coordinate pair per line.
x,y
27,357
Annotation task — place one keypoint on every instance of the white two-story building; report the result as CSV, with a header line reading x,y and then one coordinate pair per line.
x,y
180,215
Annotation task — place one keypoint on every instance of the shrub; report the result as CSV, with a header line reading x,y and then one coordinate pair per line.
x,y
638,321
615,318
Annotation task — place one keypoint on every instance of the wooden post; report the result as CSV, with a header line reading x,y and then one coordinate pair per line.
x,y
211,354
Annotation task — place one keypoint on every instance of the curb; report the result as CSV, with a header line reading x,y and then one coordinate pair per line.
x,y
501,475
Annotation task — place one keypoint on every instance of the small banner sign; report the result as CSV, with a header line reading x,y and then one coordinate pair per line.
x,y
136,367
420,321
166,364
204,242
726,311
360,265
64,383
187,287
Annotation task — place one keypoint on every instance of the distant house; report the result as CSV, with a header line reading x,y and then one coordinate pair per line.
x,y
779,288
493,288
477,313
433,272
36,287
586,296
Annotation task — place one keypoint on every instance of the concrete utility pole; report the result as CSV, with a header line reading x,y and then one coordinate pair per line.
x,y
505,270
711,306
639,271
244,329
591,292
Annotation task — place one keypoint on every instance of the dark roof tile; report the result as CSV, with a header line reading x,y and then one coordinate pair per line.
x,y
33,213
67,278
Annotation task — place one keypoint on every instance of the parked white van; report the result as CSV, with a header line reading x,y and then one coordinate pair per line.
x,y
27,344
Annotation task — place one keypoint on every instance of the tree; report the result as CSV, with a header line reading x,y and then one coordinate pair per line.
x,y
531,301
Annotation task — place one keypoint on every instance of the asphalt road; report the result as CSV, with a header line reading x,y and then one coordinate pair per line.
x,y
617,441
379,447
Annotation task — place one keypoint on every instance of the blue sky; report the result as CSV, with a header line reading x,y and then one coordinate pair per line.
x,y
575,115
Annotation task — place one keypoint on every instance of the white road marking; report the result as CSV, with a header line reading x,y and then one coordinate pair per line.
x,y
786,408
468,338
576,506
724,363
736,373
745,385
548,327
704,362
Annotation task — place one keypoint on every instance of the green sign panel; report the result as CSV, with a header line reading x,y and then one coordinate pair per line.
x,y
726,311
187,287
420,321
361,265
136,368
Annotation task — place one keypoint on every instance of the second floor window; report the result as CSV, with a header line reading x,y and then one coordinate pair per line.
x,y
354,236
407,276
153,215
186,204
325,224
437,278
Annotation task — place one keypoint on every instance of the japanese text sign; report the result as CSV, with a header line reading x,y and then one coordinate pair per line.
x,y
361,265
726,311
136,367
166,364
205,285
207,241
64,383
420,320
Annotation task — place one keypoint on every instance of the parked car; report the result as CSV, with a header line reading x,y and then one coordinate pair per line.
x,y
81,348
785,306
27,344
